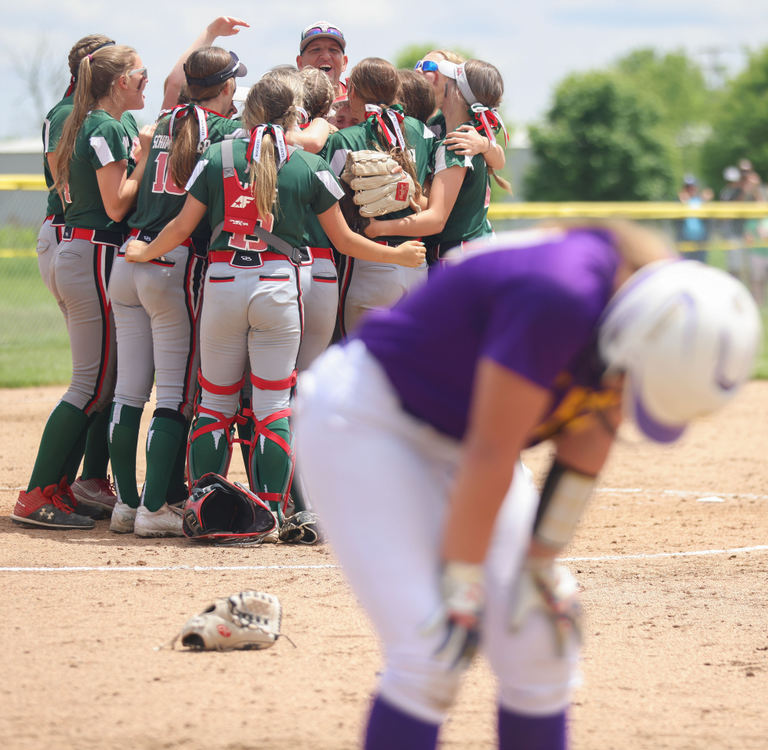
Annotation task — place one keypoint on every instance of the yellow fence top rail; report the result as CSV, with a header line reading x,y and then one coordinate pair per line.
x,y
627,210
574,210
22,182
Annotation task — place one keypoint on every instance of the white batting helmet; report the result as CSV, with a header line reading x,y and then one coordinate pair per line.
x,y
686,335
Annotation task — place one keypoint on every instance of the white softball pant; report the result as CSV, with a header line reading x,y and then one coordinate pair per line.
x,y
320,302
369,286
78,276
380,481
156,307
48,239
250,316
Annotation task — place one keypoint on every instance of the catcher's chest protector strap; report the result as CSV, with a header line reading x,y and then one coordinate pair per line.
x,y
240,213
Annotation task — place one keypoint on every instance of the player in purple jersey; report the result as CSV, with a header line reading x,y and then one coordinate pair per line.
x,y
413,430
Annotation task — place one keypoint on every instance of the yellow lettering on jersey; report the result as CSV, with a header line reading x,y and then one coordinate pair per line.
x,y
574,411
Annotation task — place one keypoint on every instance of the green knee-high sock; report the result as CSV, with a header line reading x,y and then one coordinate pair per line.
x,y
123,442
166,433
74,457
208,452
64,428
297,496
178,488
270,464
96,457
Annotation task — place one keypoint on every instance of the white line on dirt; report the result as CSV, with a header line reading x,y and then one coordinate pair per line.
x,y
224,568
611,491
159,568
651,556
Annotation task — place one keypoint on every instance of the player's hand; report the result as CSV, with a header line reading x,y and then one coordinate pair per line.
x,y
412,254
546,586
466,141
144,144
460,614
136,251
225,26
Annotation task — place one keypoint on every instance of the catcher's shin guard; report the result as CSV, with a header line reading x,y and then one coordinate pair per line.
x,y
211,438
271,452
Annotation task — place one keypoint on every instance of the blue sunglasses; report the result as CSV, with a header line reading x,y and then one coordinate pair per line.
x,y
426,66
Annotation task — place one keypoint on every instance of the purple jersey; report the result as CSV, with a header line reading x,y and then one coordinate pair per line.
x,y
533,309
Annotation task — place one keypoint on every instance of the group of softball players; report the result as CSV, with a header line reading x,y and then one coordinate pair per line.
x,y
208,254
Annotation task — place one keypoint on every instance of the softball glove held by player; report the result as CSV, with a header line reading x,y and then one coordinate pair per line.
x,y
224,512
248,620
380,185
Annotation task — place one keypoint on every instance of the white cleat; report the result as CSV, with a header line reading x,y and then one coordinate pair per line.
x,y
123,518
166,521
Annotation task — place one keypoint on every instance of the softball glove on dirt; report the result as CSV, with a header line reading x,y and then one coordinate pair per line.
x,y
380,184
248,620
224,512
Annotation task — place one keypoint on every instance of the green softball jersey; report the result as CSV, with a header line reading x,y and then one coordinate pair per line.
x,y
305,185
436,124
53,126
102,140
469,216
359,137
160,199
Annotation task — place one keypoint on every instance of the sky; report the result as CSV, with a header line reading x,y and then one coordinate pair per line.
x,y
534,43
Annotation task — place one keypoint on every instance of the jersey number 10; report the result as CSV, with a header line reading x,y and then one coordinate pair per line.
x,y
163,181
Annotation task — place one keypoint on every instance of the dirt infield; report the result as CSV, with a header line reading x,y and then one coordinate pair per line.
x,y
672,557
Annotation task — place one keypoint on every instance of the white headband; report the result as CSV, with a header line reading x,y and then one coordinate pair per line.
x,y
458,74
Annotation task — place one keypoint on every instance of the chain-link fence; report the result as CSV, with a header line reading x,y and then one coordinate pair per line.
x,y
34,347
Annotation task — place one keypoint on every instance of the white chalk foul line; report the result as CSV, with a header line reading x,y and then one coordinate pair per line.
x,y
677,493
251,568
654,555
159,568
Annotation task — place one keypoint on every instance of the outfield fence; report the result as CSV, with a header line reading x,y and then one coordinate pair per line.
x,y
33,341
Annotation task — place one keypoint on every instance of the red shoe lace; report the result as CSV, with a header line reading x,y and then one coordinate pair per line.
x,y
52,493
107,485
66,500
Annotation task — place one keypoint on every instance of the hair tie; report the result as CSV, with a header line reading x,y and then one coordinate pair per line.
x,y
182,110
302,114
253,152
71,87
394,136
489,120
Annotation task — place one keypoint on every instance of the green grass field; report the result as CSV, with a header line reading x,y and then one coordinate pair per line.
x,y
34,346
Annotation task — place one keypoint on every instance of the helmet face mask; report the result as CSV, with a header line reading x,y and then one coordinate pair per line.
x,y
686,335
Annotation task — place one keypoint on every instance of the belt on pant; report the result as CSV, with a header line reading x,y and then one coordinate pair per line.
x,y
324,253
146,236
57,220
94,236
226,256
